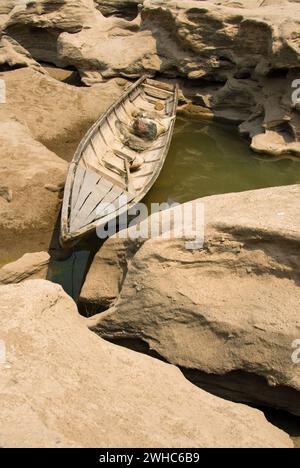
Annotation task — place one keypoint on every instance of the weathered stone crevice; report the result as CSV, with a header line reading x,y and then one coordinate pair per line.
x,y
40,42
245,387
238,386
127,9
89,309
135,343
100,293
68,75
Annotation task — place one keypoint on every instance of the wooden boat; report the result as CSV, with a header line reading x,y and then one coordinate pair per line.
x,y
100,184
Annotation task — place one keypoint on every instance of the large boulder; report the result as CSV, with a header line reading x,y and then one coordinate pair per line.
x,y
56,113
99,55
62,386
31,183
196,39
30,265
228,312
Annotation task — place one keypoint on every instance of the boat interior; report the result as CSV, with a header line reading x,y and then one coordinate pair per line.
x,y
103,177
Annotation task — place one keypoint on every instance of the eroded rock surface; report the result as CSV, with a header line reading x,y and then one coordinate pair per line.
x,y
247,47
13,55
26,169
232,306
127,9
62,386
57,114
105,277
31,265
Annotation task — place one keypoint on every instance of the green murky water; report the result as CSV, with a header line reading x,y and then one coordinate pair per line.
x,y
209,159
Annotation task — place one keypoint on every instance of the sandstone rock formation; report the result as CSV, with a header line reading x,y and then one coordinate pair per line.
x,y
26,169
62,386
127,9
7,6
105,277
37,25
243,46
31,266
57,114
230,309
13,55
68,33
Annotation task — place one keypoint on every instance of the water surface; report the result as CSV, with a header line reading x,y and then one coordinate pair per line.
x,y
209,159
